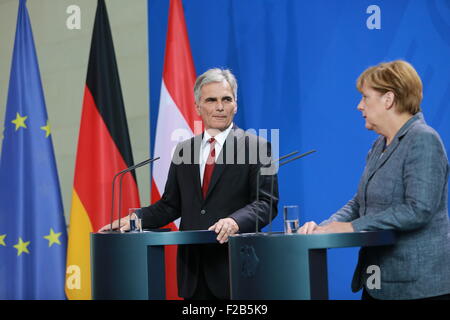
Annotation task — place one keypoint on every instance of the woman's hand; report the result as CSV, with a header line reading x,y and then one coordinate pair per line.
x,y
308,228
333,227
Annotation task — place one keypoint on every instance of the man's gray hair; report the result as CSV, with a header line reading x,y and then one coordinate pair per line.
x,y
215,75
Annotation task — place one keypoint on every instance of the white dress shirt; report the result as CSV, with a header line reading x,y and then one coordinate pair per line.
x,y
205,148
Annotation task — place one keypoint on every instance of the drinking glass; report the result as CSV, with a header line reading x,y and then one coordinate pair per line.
x,y
291,219
135,222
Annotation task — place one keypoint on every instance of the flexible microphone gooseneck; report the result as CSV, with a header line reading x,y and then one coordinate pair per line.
x,y
272,181
257,184
122,173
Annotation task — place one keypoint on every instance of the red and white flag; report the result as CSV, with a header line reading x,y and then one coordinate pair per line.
x,y
177,118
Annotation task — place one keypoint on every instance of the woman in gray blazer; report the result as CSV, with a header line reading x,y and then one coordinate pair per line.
x,y
404,188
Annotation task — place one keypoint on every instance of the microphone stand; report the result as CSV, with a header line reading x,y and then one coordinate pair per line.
x,y
122,173
257,185
272,181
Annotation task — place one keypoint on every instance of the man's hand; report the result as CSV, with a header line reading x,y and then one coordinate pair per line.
x,y
335,227
124,225
224,228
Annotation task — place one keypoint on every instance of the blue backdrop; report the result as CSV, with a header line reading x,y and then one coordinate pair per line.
x,y
296,63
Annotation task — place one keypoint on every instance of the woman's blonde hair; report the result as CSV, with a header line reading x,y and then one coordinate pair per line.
x,y
400,78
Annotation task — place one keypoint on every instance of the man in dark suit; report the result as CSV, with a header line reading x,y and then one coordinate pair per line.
x,y
212,184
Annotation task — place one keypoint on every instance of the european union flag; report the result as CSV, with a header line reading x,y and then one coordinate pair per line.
x,y
33,235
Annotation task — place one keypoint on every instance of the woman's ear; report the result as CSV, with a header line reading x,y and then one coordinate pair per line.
x,y
389,99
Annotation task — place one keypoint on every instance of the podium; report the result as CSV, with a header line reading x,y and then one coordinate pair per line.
x,y
279,266
130,266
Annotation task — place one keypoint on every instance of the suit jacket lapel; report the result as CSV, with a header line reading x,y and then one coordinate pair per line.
x,y
375,155
381,157
221,165
377,160
195,168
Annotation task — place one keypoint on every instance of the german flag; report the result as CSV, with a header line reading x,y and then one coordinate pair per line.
x,y
103,150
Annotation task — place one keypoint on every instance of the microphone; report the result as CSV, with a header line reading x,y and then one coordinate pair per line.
x,y
272,181
257,184
297,157
122,173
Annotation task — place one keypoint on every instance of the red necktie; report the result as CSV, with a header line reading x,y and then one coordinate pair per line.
x,y
209,167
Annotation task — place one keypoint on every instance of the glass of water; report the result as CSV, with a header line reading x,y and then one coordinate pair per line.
x,y
135,222
291,219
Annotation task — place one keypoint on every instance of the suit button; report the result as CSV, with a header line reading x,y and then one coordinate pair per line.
x,y
203,211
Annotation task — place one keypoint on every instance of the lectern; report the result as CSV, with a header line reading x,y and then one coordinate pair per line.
x,y
130,266
280,266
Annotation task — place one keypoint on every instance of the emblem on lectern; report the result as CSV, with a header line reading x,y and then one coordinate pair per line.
x,y
249,261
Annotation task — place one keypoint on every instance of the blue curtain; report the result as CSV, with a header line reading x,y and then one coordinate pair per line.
x,y
296,63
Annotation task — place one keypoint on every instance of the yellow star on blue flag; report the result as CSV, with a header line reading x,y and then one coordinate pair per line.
x,y
53,237
19,121
46,129
22,246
